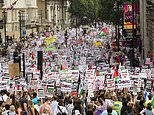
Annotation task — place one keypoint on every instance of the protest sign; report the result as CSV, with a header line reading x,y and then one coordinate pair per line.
x,y
110,84
40,93
123,83
66,87
14,69
3,85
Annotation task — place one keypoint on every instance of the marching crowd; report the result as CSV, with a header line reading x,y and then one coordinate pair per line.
x,y
104,102
118,102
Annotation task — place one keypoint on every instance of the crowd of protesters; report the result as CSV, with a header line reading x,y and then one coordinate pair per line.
x,y
118,102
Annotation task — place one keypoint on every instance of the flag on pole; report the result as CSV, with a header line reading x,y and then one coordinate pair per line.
x,y
103,32
115,73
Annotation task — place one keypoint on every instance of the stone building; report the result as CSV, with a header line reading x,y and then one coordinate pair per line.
x,y
28,14
36,15
147,26
57,13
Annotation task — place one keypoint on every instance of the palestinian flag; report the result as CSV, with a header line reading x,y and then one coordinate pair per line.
x,y
103,32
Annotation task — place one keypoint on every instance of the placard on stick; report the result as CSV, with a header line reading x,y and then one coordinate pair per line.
x,y
14,69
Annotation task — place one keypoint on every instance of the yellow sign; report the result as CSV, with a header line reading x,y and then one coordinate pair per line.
x,y
14,69
48,41
97,43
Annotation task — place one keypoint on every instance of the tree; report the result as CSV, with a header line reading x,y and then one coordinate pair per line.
x,y
82,8
94,9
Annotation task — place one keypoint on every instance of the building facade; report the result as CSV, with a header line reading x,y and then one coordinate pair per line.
x,y
57,14
147,26
36,15
28,14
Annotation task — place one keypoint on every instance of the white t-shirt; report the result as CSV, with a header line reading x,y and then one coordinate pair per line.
x,y
54,106
5,97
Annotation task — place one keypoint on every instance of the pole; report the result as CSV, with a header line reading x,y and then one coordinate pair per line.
x,y
45,9
116,19
23,59
76,28
133,33
62,14
4,16
118,27
20,24
122,21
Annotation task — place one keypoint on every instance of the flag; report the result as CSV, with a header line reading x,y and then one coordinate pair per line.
x,y
62,67
115,73
153,103
103,32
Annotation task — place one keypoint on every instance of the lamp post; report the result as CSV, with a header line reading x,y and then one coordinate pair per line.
x,y
4,23
62,22
115,10
20,18
133,31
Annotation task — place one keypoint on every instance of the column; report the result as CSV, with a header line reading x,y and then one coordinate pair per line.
x,y
55,17
49,13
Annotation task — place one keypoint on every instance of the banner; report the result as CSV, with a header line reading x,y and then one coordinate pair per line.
x,y
14,69
40,93
123,83
128,18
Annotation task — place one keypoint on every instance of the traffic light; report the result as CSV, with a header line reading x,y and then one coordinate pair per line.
x,y
16,57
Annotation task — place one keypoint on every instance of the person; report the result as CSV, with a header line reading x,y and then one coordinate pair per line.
x,y
18,108
117,106
12,99
137,106
12,110
35,98
37,106
45,107
109,111
84,102
24,103
6,110
61,108
4,95
54,105
124,110
77,107
31,108
99,107
69,106
90,110
147,111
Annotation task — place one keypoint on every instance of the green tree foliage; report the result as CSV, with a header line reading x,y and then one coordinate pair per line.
x,y
94,9
82,8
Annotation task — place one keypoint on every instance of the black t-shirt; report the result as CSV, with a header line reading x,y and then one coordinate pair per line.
x,y
22,101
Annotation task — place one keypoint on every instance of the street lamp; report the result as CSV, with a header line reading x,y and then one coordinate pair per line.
x,y
4,23
20,18
133,37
